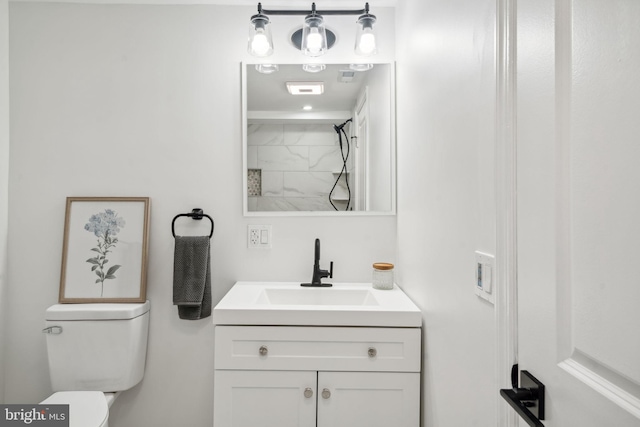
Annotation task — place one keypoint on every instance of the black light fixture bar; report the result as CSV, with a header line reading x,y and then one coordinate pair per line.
x,y
313,11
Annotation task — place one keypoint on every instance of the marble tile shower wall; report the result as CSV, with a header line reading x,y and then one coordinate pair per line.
x,y
297,163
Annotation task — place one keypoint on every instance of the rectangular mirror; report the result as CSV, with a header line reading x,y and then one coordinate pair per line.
x,y
331,153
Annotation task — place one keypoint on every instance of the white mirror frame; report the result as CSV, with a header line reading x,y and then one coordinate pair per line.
x,y
392,160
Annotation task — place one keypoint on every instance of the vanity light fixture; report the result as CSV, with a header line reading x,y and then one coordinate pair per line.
x,y
315,39
365,37
260,41
314,34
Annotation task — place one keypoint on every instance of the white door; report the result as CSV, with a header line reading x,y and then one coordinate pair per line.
x,y
368,399
578,193
265,398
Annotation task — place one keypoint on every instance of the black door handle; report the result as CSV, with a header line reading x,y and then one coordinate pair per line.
x,y
527,400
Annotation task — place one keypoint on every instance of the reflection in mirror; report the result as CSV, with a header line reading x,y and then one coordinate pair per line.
x,y
328,152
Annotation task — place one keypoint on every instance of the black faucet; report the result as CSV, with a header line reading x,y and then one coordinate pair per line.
x,y
318,274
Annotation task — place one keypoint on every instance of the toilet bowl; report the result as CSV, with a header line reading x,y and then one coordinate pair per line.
x,y
86,408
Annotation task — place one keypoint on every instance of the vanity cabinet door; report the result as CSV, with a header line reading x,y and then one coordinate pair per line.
x,y
265,398
368,399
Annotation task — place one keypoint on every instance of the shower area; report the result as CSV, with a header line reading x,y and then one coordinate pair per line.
x,y
301,167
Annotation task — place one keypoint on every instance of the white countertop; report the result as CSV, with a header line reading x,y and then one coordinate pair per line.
x,y
343,304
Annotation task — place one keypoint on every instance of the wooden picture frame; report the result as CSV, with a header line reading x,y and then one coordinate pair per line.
x,y
104,254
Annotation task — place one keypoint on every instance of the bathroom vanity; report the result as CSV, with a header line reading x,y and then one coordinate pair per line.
x,y
290,356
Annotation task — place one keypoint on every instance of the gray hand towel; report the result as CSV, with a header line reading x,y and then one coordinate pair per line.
x,y
192,277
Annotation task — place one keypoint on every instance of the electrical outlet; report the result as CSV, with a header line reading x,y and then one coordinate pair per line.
x,y
254,237
259,236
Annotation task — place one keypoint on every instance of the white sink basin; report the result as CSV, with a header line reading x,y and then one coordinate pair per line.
x,y
287,303
316,296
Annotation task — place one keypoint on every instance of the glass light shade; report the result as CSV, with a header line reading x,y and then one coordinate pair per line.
x,y
360,67
260,41
365,36
314,36
267,68
313,68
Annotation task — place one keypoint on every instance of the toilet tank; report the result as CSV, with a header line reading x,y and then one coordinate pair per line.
x,y
100,347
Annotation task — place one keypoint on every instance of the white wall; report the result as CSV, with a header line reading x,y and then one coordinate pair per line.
x,y
380,131
4,175
145,101
445,127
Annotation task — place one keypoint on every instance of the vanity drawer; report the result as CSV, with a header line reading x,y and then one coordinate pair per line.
x,y
317,348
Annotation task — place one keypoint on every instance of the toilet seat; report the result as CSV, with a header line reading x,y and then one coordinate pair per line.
x,y
86,408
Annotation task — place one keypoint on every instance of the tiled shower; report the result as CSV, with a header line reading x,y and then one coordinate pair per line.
x,y
294,167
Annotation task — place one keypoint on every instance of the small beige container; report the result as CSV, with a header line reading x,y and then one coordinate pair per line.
x,y
382,275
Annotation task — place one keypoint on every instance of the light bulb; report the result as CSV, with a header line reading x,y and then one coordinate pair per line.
x,y
367,43
314,41
260,43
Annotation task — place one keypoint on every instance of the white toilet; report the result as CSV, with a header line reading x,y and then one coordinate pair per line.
x,y
95,351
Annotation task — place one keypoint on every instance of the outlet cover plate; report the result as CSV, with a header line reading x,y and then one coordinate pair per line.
x,y
485,268
259,236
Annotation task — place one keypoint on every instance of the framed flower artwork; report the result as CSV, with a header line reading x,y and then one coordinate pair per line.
x,y
104,254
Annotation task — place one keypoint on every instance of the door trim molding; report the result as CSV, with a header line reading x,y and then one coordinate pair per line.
x,y
608,389
506,308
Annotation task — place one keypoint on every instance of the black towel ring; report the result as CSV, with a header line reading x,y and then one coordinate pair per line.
x,y
197,214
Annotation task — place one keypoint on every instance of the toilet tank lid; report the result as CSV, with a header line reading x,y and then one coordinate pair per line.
x,y
99,311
